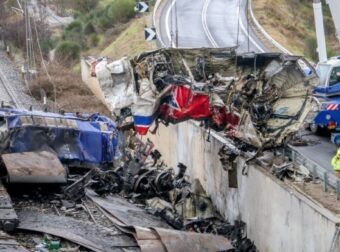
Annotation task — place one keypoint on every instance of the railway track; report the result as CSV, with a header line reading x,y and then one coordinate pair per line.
x,y
7,94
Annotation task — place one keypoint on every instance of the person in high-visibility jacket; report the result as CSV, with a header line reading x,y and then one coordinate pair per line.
x,y
336,163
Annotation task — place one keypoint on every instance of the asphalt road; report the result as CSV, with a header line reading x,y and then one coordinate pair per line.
x,y
207,23
223,23
320,150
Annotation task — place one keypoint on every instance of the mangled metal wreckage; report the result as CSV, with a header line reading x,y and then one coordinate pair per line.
x,y
39,147
33,144
260,99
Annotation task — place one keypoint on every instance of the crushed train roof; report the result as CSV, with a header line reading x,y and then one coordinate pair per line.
x,y
260,99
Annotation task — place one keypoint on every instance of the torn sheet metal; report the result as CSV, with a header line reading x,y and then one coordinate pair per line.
x,y
126,212
76,138
167,240
175,241
88,235
261,99
198,205
147,239
116,83
9,244
34,167
76,190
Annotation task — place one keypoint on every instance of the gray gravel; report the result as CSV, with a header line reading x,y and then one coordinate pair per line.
x,y
15,84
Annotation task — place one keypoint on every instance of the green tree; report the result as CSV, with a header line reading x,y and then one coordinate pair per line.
x,y
122,10
74,32
67,52
85,6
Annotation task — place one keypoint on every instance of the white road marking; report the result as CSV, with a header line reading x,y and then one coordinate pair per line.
x,y
167,23
157,28
205,24
206,28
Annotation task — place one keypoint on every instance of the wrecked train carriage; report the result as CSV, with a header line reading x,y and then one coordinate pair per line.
x,y
260,99
75,139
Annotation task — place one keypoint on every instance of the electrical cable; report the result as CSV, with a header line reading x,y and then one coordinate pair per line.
x,y
44,65
26,35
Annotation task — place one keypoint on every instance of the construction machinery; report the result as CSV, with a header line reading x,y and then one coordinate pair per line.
x,y
327,93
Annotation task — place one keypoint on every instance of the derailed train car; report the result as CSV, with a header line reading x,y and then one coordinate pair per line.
x,y
31,142
260,99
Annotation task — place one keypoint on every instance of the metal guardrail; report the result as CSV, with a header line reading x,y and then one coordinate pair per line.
x,y
9,89
329,179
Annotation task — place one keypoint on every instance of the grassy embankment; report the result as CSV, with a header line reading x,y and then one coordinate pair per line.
x,y
291,23
130,42
94,34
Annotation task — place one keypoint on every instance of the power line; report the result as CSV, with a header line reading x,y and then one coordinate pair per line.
x,y
45,67
30,56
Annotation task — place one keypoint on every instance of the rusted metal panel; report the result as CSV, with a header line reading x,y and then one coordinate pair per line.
x,y
126,212
86,234
48,122
168,240
175,241
34,167
148,240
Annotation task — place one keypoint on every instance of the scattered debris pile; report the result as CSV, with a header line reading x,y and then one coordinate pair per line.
x,y
282,167
147,205
260,99
146,181
38,147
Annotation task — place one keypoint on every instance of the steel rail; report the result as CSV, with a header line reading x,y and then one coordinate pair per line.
x,y
9,89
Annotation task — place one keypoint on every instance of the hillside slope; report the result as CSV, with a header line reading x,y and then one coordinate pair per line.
x,y
291,23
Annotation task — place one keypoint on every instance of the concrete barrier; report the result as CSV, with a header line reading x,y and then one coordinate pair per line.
x,y
91,82
278,217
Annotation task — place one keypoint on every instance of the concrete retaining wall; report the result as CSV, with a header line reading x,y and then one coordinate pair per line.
x,y
278,218
91,82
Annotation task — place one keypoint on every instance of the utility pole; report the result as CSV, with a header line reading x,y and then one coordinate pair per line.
x,y
30,57
320,30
